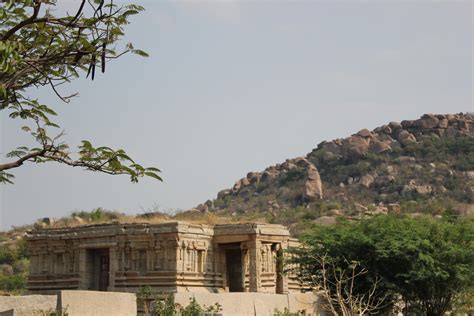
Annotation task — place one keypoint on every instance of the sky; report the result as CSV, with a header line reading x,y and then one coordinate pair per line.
x,y
233,87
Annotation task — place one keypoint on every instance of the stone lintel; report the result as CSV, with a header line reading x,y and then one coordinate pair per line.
x,y
95,245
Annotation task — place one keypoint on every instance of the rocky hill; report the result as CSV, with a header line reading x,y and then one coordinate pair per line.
x,y
423,165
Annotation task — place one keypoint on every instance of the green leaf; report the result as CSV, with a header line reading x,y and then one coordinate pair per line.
x,y
153,175
140,52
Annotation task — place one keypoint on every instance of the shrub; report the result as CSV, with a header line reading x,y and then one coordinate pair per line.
x,y
293,175
15,283
8,255
427,262
98,215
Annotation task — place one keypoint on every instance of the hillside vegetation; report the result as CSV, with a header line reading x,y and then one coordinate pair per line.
x,y
415,166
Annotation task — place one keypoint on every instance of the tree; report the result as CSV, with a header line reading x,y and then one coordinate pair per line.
x,y
39,49
337,286
425,262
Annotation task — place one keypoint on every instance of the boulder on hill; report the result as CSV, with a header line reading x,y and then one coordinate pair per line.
x,y
405,138
356,145
378,147
427,121
313,186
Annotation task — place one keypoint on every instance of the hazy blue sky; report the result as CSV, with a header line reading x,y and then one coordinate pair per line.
x,y
233,87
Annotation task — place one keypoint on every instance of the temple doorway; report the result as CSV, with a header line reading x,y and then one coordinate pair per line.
x,y
99,265
234,270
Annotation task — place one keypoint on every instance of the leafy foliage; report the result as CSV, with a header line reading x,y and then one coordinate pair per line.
x,y
13,266
39,49
425,261
97,215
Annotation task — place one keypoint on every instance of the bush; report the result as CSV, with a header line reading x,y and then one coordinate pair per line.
x,y
427,262
293,175
15,283
8,255
98,215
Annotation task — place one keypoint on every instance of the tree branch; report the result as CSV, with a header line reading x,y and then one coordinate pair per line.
x,y
19,162
30,20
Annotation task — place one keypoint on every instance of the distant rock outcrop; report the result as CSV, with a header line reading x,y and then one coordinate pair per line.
x,y
394,162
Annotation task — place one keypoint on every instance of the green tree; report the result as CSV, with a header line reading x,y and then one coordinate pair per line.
x,y
425,262
39,49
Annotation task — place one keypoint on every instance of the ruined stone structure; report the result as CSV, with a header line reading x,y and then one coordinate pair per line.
x,y
169,257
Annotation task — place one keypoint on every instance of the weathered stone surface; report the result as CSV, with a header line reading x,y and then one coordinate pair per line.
x,y
407,123
269,175
366,181
450,131
413,187
240,184
28,305
427,121
170,257
210,203
313,185
379,147
423,189
301,162
356,145
333,147
202,208
251,304
395,125
387,129
364,133
254,177
443,123
93,303
406,138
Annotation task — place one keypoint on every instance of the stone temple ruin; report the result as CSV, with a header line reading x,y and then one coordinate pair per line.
x,y
168,257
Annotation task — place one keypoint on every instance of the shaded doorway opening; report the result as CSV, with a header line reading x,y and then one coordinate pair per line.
x,y
234,270
99,265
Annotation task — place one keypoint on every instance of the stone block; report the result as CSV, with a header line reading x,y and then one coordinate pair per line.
x,y
250,304
94,303
28,305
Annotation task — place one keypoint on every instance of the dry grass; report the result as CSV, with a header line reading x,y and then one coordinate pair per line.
x,y
101,216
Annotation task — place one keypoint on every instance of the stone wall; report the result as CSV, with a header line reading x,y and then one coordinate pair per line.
x,y
30,305
252,304
169,257
71,303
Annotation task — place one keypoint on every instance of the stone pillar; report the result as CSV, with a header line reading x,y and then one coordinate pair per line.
x,y
281,277
113,267
83,273
253,247
222,264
